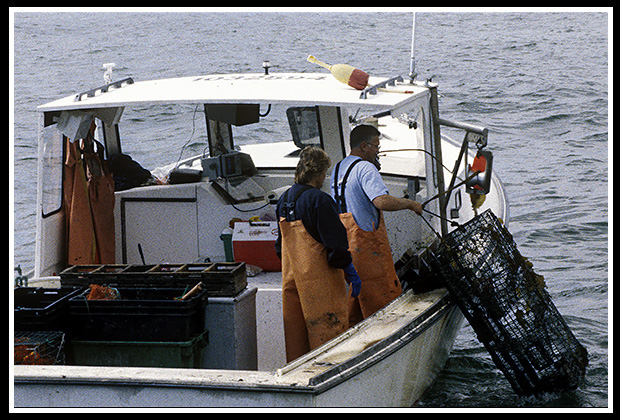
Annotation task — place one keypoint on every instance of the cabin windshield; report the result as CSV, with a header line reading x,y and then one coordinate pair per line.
x,y
168,134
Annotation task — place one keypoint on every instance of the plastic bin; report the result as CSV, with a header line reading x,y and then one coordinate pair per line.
x,y
141,314
41,309
232,339
219,279
254,243
166,354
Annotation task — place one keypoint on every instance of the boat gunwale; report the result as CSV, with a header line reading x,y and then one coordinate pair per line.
x,y
384,348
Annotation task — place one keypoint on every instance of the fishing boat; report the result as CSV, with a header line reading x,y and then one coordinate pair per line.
x,y
256,124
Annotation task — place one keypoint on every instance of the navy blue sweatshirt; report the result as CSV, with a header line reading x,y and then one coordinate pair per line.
x,y
319,215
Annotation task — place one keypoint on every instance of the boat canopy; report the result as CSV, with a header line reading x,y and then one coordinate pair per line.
x,y
290,88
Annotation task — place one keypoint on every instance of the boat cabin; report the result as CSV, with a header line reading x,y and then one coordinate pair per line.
x,y
253,127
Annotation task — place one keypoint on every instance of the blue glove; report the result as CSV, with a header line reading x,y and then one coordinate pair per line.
x,y
353,279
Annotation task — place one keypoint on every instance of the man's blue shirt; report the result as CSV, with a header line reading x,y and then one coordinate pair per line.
x,y
363,185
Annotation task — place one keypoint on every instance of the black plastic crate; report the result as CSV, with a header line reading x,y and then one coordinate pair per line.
x,y
78,275
42,309
141,314
219,279
507,305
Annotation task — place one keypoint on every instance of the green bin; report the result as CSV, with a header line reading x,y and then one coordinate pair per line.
x,y
166,354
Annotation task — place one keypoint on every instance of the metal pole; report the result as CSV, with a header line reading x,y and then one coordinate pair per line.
x,y
438,159
412,74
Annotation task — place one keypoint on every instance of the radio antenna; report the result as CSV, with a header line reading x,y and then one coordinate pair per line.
x,y
412,73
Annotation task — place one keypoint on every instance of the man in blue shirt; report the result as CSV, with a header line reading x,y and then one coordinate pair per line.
x,y
361,194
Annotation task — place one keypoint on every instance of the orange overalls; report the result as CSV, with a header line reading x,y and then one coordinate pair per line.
x,y
372,258
314,302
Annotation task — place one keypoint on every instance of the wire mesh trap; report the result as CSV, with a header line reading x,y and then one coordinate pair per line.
x,y
39,348
507,305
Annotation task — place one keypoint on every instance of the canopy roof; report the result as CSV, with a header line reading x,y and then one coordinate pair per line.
x,y
296,88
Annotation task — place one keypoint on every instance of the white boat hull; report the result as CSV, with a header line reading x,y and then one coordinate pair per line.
x,y
362,367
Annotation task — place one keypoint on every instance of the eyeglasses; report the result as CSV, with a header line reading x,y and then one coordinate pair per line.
x,y
377,146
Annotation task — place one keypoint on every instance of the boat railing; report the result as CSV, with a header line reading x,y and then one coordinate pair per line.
x,y
475,133
103,89
373,89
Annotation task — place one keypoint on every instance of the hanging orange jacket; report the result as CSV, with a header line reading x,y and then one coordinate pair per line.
x,y
81,243
372,258
101,196
89,206
314,301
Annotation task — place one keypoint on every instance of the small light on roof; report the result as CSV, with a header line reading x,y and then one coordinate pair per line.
x,y
107,76
266,65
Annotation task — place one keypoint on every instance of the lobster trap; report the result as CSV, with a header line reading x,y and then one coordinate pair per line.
x,y
507,305
39,348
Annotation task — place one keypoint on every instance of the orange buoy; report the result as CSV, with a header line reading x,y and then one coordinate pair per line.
x,y
483,163
345,73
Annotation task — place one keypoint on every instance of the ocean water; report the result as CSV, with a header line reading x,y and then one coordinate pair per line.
x,y
538,81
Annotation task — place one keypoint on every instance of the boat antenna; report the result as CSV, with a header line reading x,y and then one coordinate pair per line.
x,y
412,73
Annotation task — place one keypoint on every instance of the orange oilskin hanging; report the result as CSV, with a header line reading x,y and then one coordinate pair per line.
x,y
89,205
101,194
81,245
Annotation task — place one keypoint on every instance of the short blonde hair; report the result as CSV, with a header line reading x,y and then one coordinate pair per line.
x,y
313,161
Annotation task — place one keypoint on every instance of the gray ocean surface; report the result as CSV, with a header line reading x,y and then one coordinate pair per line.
x,y
538,81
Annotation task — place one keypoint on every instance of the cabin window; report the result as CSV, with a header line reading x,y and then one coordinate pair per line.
x,y
220,137
51,176
283,131
304,124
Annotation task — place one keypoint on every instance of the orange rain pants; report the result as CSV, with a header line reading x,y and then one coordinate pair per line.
x,y
372,258
89,207
314,301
